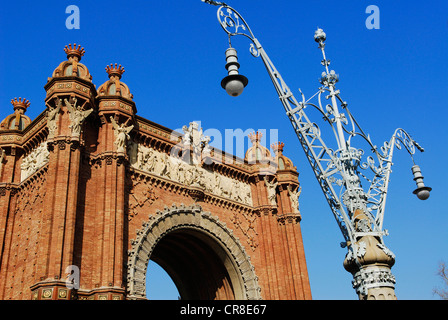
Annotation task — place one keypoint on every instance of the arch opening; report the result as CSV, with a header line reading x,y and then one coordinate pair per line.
x,y
196,265
201,255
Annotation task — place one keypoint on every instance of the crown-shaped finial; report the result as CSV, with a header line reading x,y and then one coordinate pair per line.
x,y
255,136
74,51
115,70
277,147
20,104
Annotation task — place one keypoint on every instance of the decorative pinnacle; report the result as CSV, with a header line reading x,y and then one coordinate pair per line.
x,y
278,147
319,35
74,52
20,104
255,136
115,71
329,78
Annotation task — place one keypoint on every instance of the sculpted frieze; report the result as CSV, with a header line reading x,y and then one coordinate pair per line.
x,y
162,164
35,160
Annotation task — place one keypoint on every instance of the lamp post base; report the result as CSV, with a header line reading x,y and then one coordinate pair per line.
x,y
374,282
383,293
370,263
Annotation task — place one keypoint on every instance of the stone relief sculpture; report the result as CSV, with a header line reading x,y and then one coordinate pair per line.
x,y
271,187
186,139
52,118
121,135
193,136
77,116
294,196
161,164
206,150
165,167
34,160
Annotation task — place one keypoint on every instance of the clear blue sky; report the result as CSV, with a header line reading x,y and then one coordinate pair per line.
x,y
173,53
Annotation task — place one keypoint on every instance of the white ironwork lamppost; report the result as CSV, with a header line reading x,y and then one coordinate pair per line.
x,y
355,186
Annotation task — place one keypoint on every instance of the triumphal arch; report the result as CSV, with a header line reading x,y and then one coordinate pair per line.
x,y
90,192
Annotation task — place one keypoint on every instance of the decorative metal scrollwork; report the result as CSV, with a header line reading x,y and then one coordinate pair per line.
x,y
403,138
234,24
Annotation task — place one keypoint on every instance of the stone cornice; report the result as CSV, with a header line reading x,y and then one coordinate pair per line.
x,y
289,218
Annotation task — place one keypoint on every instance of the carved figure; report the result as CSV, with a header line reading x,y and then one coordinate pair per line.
x,y
226,188
121,135
247,199
272,187
195,137
77,116
52,117
186,140
236,191
217,189
150,160
206,149
166,166
294,196
181,172
198,177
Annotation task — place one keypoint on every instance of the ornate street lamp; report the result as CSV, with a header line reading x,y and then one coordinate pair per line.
x,y
355,186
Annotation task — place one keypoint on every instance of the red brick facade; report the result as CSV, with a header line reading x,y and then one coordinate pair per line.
x,y
89,183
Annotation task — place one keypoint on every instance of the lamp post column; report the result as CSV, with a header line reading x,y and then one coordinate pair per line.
x,y
370,264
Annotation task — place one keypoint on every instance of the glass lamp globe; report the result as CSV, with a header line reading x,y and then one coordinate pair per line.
x,y
234,84
422,193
